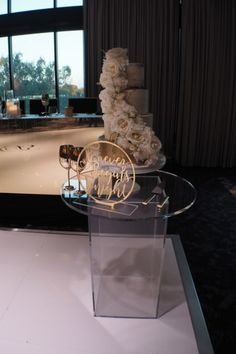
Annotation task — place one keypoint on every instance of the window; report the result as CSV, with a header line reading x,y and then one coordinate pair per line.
x,y
19,5
70,65
3,7
50,62
62,3
33,65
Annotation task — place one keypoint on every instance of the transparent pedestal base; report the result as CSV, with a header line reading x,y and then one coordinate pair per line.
x,y
126,266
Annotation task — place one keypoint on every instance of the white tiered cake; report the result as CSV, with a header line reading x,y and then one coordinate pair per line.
x,y
124,103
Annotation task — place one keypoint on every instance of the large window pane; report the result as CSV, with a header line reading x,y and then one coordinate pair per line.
x,y
63,3
19,5
33,65
3,7
70,65
4,66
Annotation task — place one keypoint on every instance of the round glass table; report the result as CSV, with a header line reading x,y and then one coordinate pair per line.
x,y
161,195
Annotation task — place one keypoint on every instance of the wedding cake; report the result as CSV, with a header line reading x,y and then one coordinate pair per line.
x,y
124,103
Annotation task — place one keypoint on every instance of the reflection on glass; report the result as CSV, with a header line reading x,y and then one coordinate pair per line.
x,y
4,67
17,6
65,153
70,66
45,102
76,150
33,63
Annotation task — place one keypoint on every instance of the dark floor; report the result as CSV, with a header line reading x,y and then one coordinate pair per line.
x,y
207,231
208,234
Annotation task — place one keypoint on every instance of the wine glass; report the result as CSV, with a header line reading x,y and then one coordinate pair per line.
x,y
65,153
45,102
74,165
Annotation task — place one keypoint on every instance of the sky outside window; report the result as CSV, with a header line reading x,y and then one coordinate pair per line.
x,y
20,5
29,49
3,7
33,46
63,3
70,52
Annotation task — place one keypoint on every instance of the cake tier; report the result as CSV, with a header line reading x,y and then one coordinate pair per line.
x,y
135,74
148,119
139,99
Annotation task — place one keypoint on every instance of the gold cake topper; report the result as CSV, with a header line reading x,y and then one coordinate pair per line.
x,y
106,172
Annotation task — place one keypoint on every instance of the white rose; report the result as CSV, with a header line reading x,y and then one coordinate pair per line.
x,y
106,107
156,144
121,125
123,142
107,101
111,67
106,80
125,107
117,53
107,93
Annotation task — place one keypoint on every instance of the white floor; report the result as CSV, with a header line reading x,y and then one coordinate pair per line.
x,y
46,304
29,161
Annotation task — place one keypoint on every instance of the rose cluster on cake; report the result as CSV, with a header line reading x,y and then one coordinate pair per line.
x,y
123,124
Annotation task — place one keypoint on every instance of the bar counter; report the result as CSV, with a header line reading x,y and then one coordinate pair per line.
x,y
35,122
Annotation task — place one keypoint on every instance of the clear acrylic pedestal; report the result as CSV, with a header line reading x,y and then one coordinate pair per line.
x,y
126,265
127,243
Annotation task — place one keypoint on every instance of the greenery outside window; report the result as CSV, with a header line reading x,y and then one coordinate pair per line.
x,y
33,63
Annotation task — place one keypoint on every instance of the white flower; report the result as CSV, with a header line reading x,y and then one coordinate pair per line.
x,y
111,67
123,142
106,80
156,144
108,93
107,97
122,123
117,53
125,107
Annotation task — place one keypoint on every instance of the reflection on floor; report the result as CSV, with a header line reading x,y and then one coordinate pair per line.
x,y
29,161
46,304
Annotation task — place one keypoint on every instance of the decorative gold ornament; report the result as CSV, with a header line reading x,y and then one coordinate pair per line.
x,y
106,173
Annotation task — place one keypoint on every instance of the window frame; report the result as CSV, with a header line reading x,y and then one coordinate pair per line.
x,y
40,21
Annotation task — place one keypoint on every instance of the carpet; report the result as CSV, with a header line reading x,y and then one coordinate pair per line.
x,y
208,235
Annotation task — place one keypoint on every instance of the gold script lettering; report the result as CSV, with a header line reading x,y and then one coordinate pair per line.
x,y
109,176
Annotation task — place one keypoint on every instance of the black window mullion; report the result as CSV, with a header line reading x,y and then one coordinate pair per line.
x,y
9,6
56,69
10,60
39,21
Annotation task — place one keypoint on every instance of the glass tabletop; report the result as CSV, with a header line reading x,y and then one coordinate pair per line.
x,y
158,196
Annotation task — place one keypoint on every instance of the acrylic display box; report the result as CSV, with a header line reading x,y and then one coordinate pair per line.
x,y
127,244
